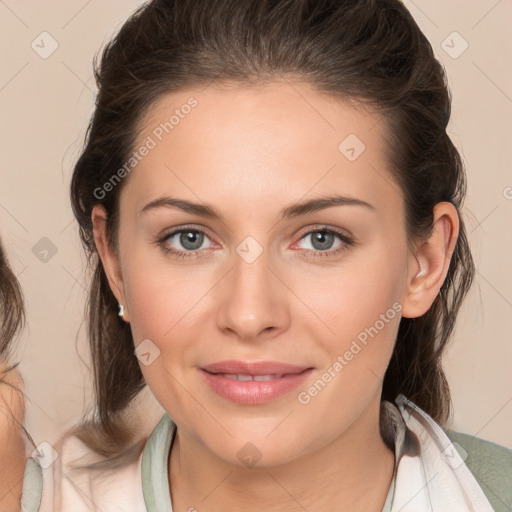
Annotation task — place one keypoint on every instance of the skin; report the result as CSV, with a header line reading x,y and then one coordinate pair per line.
x,y
12,444
250,152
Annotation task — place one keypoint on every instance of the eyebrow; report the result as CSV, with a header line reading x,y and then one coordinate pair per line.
x,y
294,210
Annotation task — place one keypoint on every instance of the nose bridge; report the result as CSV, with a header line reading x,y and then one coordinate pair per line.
x,y
252,300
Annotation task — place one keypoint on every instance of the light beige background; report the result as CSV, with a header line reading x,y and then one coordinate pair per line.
x,y
45,107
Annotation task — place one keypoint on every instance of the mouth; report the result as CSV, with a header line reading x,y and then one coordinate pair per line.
x,y
253,383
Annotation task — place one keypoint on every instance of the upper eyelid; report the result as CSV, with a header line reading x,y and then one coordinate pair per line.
x,y
322,227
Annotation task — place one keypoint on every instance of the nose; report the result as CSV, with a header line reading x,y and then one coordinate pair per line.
x,y
253,301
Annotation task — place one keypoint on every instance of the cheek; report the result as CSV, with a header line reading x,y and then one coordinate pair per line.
x,y
360,313
160,309
160,295
167,306
352,298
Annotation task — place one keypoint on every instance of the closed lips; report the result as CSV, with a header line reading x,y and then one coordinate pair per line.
x,y
253,382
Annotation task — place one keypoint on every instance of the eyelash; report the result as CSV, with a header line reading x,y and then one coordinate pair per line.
x,y
346,243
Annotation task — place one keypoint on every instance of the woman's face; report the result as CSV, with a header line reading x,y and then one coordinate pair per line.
x,y
251,276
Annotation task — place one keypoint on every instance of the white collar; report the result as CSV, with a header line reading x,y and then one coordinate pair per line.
x,y
431,475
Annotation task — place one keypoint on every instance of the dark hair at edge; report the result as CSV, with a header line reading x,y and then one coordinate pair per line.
x,y
12,310
12,321
369,52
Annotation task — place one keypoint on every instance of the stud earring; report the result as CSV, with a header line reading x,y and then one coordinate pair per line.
x,y
121,310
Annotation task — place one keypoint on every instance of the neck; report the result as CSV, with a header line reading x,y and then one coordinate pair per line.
x,y
353,472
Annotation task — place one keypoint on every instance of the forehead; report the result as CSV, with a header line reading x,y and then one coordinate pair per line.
x,y
246,145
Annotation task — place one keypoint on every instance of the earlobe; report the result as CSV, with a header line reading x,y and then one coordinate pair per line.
x,y
431,261
107,256
123,313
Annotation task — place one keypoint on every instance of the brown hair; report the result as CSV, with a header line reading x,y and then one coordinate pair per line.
x,y
12,311
12,320
370,51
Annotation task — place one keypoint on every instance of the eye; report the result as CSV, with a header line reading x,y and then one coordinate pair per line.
x,y
322,241
190,239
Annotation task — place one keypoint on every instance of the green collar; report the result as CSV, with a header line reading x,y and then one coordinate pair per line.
x,y
155,475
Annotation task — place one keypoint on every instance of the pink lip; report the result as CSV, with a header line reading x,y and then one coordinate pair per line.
x,y
252,392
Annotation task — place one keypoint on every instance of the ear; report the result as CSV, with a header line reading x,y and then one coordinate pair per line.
x,y
109,258
430,262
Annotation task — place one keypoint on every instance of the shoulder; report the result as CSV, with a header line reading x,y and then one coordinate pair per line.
x,y
490,464
70,476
